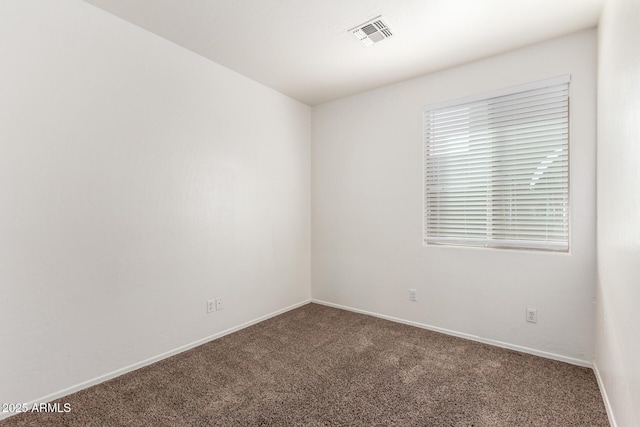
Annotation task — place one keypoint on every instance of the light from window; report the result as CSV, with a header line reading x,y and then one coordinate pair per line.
x,y
496,169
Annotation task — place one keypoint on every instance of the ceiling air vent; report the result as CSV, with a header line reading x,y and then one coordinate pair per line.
x,y
372,31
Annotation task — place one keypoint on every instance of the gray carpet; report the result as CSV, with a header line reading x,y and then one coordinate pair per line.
x,y
317,365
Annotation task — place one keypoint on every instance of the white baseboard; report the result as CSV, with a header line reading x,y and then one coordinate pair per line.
x,y
605,397
548,355
149,361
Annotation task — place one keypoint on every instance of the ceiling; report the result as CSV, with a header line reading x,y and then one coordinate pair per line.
x,y
303,49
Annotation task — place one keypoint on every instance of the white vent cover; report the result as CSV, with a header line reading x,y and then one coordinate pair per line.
x,y
372,31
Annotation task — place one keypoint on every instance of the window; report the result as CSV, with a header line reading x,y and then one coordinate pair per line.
x,y
496,169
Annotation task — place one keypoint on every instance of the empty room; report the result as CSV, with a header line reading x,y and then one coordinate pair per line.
x,y
311,212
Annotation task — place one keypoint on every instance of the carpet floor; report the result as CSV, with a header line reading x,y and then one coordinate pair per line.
x,y
320,366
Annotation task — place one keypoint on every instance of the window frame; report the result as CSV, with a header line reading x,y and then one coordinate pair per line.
x,y
515,244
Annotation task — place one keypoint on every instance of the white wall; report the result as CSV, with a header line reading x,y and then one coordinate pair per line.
x,y
367,212
617,354
137,180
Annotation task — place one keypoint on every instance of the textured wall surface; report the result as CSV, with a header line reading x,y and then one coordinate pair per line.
x,y
617,354
137,181
367,212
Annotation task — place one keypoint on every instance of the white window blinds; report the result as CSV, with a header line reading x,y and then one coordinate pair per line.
x,y
497,169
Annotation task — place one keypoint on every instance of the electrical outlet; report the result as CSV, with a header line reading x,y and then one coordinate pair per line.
x,y
219,305
413,295
211,306
532,315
